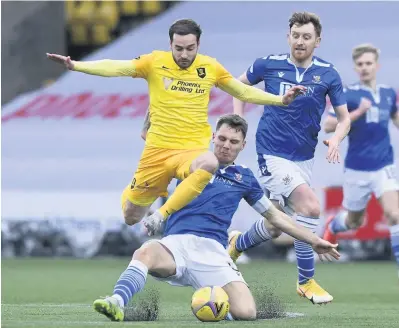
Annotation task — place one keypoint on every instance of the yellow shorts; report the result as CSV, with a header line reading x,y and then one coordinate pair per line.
x,y
157,167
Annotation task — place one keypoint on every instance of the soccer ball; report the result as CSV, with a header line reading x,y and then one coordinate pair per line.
x,y
210,304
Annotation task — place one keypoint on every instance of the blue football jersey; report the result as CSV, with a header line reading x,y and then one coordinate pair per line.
x,y
210,214
291,132
369,144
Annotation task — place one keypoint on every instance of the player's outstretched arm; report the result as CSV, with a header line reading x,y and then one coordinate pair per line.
x,y
253,95
331,122
283,222
344,122
105,68
341,131
238,105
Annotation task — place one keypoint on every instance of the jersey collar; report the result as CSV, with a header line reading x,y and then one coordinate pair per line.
x,y
224,167
299,77
177,67
375,94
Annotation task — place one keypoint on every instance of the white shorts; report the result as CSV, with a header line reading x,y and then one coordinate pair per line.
x,y
279,176
359,185
200,262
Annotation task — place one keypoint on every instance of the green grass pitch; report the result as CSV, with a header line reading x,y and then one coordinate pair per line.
x,y
59,293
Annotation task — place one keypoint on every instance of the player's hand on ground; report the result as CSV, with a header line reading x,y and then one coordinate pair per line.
x,y
292,93
326,250
333,155
65,60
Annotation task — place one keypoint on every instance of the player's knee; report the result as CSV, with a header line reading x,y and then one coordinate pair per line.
x,y
274,232
244,313
130,218
132,213
310,208
208,163
144,254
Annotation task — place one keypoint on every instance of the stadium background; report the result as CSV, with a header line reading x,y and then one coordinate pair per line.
x,y
71,142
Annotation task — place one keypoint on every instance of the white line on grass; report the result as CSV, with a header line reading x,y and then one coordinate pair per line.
x,y
20,323
294,314
49,305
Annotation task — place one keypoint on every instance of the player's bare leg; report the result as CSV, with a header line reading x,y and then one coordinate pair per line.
x,y
242,303
304,202
390,204
133,213
151,257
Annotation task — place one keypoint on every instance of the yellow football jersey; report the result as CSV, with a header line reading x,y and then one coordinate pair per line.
x,y
179,98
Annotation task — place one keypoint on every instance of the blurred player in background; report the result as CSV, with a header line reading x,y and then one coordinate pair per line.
x,y
192,251
287,137
177,143
369,163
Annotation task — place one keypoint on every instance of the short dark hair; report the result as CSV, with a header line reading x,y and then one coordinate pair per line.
x,y
235,121
305,17
361,49
185,27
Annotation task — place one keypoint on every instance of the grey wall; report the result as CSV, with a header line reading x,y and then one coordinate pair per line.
x,y
29,29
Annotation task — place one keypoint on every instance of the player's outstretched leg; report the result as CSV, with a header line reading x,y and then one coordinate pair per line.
x,y
258,233
150,256
131,281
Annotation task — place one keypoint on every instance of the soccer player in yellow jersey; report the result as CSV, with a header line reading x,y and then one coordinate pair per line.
x,y
177,142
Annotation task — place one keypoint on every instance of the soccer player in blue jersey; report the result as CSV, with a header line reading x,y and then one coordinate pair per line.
x,y
287,137
193,251
369,163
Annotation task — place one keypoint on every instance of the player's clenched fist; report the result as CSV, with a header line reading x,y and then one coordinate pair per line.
x,y
65,60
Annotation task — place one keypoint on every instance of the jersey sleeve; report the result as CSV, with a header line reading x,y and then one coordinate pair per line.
x,y
336,92
256,198
256,71
142,66
223,76
394,109
352,100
